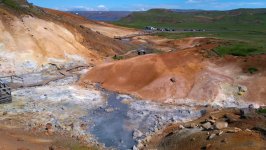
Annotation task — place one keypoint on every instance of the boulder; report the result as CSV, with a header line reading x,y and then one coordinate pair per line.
x,y
181,127
242,89
211,136
220,125
207,126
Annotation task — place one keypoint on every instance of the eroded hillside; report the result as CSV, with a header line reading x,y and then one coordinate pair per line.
x,y
188,76
32,37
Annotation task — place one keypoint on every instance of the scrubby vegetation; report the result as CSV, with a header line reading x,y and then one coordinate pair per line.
x,y
262,111
118,57
11,3
238,50
252,70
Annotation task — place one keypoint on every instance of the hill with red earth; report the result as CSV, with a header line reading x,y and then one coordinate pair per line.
x,y
192,75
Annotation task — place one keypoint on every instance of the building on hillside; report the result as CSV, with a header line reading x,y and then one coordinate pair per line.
x,y
150,28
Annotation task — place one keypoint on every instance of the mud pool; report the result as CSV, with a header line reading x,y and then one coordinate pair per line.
x,y
110,124
124,122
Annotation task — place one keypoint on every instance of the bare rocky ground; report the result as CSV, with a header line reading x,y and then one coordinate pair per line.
x,y
62,111
230,128
63,108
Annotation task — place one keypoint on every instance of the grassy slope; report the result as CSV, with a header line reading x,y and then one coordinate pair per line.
x,y
245,25
240,19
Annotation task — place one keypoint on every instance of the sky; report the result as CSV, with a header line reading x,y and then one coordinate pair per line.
x,y
140,5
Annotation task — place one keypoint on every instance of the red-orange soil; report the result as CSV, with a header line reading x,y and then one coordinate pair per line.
x,y
193,73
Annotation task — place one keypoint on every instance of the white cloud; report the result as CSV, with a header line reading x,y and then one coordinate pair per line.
x,y
77,8
143,7
102,8
84,8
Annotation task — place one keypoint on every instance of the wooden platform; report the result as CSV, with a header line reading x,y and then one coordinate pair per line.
x,y
5,93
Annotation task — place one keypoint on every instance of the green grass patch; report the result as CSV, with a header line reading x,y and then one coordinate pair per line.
x,y
11,3
252,70
262,111
238,50
118,57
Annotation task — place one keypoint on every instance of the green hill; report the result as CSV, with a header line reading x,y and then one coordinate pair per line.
x,y
240,19
243,27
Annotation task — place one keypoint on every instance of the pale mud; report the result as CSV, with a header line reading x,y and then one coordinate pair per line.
x,y
92,115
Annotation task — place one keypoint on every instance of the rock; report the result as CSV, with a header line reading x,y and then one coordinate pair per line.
x,y
247,112
49,129
137,134
83,126
220,133
135,148
251,106
181,126
4,113
235,130
242,89
220,125
231,118
213,118
211,136
148,138
192,125
248,130
173,80
48,126
207,126
211,121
